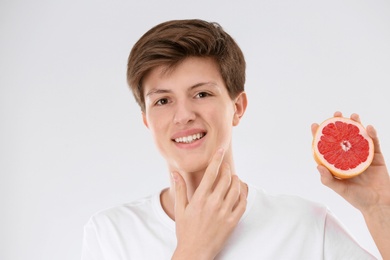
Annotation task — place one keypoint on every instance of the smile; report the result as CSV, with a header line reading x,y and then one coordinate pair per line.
x,y
190,138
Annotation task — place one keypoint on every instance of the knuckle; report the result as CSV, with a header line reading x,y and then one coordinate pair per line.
x,y
215,202
199,201
231,221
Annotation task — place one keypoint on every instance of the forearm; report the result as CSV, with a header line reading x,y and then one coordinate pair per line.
x,y
378,223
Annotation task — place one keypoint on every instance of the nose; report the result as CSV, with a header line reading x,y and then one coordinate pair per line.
x,y
184,113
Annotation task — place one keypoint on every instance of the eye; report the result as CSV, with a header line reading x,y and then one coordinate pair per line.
x,y
161,102
202,95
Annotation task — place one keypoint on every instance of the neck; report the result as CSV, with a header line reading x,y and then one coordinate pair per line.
x,y
192,180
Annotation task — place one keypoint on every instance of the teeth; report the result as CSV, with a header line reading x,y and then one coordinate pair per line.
x,y
189,139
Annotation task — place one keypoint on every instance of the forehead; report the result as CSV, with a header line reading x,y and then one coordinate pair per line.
x,y
190,71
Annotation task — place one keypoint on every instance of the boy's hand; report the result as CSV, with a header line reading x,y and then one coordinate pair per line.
x,y
369,192
204,223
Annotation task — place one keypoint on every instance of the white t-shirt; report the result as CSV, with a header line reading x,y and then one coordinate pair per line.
x,y
272,227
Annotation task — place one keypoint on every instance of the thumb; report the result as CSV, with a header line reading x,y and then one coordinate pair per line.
x,y
181,199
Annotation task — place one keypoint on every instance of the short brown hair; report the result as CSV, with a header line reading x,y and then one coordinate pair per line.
x,y
169,43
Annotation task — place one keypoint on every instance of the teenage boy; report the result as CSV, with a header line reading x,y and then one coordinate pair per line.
x,y
188,78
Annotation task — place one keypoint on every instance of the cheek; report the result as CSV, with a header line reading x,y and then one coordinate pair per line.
x,y
154,125
156,119
224,117
222,121
159,125
160,140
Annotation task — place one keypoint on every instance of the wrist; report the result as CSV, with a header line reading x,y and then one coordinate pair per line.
x,y
379,214
377,211
378,223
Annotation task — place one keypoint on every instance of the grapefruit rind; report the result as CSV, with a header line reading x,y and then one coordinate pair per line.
x,y
339,173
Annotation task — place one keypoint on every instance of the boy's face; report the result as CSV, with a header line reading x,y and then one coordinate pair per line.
x,y
189,113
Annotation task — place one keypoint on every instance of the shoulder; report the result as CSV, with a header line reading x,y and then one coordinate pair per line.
x,y
137,209
282,205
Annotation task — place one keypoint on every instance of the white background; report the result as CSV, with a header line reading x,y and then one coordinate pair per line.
x,y
72,140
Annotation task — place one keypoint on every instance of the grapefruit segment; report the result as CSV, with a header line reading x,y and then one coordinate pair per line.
x,y
343,146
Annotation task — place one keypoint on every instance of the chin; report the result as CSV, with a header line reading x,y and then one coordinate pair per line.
x,y
191,167
188,162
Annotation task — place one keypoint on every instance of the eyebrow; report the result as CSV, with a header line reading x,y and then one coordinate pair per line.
x,y
164,91
210,83
157,91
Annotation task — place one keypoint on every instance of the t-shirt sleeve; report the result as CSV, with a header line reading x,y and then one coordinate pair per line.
x,y
91,249
339,244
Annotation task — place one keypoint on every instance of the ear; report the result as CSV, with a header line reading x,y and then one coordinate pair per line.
x,y
145,120
240,104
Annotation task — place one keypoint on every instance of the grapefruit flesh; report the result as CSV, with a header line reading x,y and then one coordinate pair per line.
x,y
343,146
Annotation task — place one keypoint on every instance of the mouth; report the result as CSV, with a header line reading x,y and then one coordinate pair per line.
x,y
190,138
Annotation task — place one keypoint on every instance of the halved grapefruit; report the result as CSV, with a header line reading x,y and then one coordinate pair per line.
x,y
343,146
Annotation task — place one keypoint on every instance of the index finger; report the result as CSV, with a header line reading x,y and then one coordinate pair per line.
x,y
211,172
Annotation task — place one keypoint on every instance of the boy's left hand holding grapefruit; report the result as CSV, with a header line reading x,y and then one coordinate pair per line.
x,y
369,192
